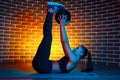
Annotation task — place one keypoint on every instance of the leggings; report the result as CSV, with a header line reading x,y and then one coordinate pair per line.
x,y
41,62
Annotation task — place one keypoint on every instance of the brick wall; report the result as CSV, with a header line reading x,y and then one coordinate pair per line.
x,y
95,24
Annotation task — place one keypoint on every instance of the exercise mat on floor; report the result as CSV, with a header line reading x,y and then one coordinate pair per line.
x,y
16,73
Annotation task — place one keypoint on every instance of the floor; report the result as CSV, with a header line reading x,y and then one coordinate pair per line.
x,y
26,72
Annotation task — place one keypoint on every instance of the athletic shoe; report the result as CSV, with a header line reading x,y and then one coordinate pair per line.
x,y
54,6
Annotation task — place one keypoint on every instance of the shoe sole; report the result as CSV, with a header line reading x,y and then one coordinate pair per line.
x,y
56,4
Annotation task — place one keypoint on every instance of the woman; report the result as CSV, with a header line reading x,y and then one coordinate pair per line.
x,y
41,62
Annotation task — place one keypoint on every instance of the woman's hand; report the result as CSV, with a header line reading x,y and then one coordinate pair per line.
x,y
62,18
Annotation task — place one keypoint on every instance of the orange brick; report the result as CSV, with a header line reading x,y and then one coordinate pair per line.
x,y
93,24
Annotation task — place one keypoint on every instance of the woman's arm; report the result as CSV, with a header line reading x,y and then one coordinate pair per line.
x,y
64,39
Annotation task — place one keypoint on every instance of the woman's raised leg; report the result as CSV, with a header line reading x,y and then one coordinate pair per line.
x,y
41,62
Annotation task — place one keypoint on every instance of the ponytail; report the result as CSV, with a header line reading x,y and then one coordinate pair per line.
x,y
89,67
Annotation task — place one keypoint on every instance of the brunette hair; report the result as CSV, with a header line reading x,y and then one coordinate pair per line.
x,y
89,67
